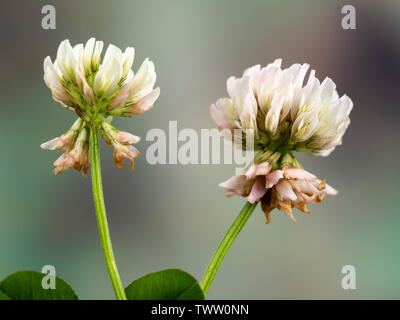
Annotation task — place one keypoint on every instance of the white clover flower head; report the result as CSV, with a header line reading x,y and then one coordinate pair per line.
x,y
284,115
97,91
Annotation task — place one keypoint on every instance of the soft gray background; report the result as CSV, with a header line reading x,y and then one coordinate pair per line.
x,y
173,216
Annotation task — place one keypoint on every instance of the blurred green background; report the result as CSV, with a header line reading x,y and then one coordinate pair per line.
x,y
169,216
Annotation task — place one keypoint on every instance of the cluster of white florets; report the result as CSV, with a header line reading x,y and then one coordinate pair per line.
x,y
97,91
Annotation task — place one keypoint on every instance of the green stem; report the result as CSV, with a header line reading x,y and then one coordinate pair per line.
x,y
224,246
101,214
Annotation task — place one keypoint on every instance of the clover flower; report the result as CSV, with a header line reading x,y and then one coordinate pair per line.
x,y
284,189
283,115
282,112
97,91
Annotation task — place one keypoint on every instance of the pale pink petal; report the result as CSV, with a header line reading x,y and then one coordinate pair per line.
x,y
126,138
285,191
50,75
87,90
235,182
263,168
144,104
229,193
251,171
299,196
329,190
297,173
258,169
122,95
218,115
257,191
274,176
304,186
52,80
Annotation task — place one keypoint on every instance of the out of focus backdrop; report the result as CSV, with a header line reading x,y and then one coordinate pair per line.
x,y
166,216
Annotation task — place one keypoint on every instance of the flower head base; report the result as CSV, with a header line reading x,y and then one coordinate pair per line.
x,y
75,145
97,91
283,186
284,115
283,112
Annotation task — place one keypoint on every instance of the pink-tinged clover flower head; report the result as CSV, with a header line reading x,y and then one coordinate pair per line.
x,y
285,187
285,114
97,91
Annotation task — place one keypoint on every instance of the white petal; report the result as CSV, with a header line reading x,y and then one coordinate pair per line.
x,y
231,86
87,54
128,57
66,60
78,51
96,54
272,118
143,81
50,145
107,78
304,126
113,52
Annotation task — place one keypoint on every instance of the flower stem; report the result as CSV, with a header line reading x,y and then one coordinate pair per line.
x,y
101,214
225,244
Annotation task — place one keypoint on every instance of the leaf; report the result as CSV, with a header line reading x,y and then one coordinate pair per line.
x,y
27,285
170,284
3,296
